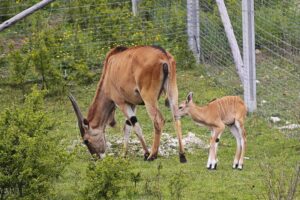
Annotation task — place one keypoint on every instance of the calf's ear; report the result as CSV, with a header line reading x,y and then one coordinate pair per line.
x,y
189,97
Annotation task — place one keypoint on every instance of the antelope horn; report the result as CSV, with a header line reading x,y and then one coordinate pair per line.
x,y
78,113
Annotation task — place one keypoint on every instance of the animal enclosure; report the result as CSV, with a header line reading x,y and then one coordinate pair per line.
x,y
79,34
61,49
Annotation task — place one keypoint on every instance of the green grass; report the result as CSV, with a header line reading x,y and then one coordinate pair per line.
x,y
278,86
266,147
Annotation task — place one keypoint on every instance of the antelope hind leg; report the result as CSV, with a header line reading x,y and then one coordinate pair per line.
x,y
235,133
132,121
158,123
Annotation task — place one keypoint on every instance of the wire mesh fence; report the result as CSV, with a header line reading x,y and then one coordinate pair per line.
x,y
65,43
77,35
277,52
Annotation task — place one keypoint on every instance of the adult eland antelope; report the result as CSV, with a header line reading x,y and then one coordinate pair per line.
x,y
228,110
131,76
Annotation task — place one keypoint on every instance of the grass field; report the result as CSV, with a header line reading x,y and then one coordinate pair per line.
x,y
268,170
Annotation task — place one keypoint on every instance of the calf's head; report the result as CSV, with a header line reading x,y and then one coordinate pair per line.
x,y
184,107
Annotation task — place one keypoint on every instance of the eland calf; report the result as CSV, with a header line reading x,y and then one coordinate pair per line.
x,y
226,111
130,77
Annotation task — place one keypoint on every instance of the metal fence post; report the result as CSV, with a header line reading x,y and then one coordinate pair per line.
x,y
135,7
24,14
231,38
193,27
249,55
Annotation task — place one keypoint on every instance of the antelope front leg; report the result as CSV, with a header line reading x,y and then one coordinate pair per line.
x,y
129,112
214,141
237,156
212,162
127,133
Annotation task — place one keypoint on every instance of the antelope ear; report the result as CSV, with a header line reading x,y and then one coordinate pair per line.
x,y
189,97
85,123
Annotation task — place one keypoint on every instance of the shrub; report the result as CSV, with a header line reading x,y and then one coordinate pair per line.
x,y
30,158
107,178
153,184
280,184
20,68
177,185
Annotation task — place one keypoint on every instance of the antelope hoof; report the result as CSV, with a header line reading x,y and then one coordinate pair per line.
x,y
182,158
240,167
215,167
212,167
235,166
208,166
146,155
152,157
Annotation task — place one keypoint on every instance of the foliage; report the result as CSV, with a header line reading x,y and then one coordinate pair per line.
x,y
278,23
276,28
106,178
152,185
67,47
177,185
70,48
20,70
30,158
64,45
40,57
280,185
43,59
135,178
224,183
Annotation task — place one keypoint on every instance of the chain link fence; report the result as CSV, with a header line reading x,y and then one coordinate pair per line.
x,y
77,35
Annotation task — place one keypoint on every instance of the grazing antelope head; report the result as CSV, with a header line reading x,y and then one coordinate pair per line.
x,y
131,76
93,138
226,111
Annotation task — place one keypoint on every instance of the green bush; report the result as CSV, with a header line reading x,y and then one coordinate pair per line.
x,y
280,184
276,27
153,184
30,157
20,69
177,185
69,45
107,178
43,59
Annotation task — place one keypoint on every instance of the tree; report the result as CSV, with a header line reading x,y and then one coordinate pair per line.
x,y
30,157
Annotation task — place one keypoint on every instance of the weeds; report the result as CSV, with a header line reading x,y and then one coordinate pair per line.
x,y
280,185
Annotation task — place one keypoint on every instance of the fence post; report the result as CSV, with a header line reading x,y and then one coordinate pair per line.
x,y
135,7
231,38
24,14
249,55
193,27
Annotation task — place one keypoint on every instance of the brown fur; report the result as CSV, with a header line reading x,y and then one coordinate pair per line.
x,y
229,110
130,77
224,110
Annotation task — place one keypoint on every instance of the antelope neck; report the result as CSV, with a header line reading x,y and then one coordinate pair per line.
x,y
198,113
100,110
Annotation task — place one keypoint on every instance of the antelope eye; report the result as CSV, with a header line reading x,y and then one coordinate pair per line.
x,y
180,107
